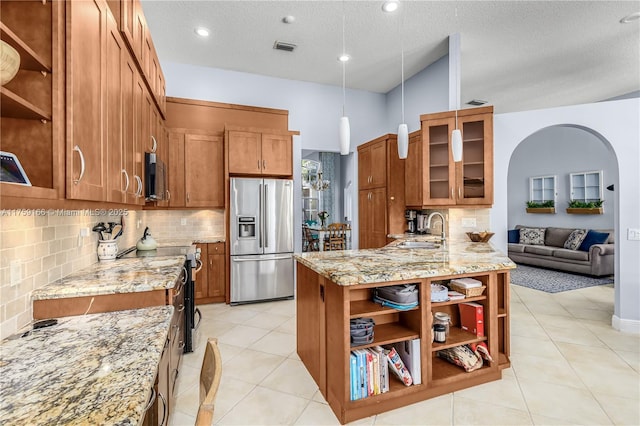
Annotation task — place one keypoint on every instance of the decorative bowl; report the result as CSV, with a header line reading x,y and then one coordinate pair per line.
x,y
480,237
9,62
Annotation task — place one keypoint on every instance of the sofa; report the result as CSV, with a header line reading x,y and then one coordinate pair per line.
x,y
589,252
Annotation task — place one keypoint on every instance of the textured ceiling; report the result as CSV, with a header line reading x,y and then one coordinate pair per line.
x,y
518,55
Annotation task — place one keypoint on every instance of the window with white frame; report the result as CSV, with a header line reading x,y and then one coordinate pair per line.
x,y
586,186
542,188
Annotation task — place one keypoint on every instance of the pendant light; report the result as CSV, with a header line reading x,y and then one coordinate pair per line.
x,y
456,135
345,130
403,131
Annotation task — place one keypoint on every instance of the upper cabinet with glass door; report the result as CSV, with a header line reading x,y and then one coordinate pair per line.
x,y
445,182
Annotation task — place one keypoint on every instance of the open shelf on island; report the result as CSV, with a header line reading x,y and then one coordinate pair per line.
x,y
457,337
455,302
445,371
385,334
368,308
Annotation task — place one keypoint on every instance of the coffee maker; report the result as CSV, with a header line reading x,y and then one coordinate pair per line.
x,y
412,221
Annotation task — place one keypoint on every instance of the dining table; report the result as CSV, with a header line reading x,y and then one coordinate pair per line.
x,y
323,231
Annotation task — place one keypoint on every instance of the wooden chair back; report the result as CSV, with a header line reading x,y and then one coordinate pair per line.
x,y
310,243
210,376
337,238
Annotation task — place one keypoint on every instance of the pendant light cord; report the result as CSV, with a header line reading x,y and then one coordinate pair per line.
x,y
344,64
402,62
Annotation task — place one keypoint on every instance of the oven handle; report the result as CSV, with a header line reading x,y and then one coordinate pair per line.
x,y
197,324
199,265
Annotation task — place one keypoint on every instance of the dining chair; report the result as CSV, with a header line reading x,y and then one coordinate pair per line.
x,y
310,242
210,375
337,237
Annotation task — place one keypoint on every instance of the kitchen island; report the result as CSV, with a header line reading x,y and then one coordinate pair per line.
x,y
88,369
335,287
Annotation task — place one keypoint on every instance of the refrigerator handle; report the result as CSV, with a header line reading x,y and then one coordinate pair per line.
x,y
266,215
260,223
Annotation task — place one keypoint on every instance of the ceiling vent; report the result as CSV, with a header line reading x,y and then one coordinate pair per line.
x,y
476,102
281,45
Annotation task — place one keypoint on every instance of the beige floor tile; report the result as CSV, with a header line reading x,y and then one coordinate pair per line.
x,y
267,320
631,358
242,336
544,369
188,400
264,406
548,308
288,326
602,379
615,339
621,411
592,355
212,328
469,412
293,378
435,411
538,346
562,402
178,418
505,393
276,343
251,366
282,307
320,414
228,352
529,329
188,377
559,321
539,420
236,315
581,336
591,314
317,397
294,355
230,393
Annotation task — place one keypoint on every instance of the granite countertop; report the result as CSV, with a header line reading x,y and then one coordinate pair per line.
x,y
120,276
179,242
88,369
396,263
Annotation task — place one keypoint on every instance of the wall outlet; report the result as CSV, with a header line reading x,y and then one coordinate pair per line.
x,y
183,221
468,222
16,272
633,234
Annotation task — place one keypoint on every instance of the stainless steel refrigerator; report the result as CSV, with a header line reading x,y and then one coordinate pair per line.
x,y
261,222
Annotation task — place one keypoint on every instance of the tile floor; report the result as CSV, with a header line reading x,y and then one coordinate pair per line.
x,y
568,367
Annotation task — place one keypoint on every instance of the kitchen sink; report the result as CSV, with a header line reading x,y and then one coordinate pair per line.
x,y
419,244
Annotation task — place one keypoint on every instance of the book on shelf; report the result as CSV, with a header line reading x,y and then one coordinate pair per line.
x,y
384,368
454,295
397,366
363,384
375,371
472,318
409,352
353,377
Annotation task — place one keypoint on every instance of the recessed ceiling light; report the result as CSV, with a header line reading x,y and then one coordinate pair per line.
x,y
476,102
344,57
390,5
202,32
630,18
288,19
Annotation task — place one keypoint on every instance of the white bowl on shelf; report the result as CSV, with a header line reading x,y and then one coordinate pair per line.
x,y
9,62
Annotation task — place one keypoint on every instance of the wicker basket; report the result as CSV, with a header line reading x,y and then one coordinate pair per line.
x,y
468,292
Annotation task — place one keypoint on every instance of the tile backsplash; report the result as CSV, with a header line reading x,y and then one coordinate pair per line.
x,y
36,250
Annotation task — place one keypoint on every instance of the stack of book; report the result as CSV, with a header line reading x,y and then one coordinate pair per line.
x,y
370,367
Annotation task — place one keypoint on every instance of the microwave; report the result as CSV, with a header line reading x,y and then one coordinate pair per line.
x,y
155,177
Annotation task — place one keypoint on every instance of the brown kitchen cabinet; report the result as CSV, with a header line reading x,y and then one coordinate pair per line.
x,y
381,198
447,183
32,103
256,152
413,171
211,280
196,169
86,87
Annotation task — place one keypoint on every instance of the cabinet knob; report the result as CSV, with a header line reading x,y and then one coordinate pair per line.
x,y
392,198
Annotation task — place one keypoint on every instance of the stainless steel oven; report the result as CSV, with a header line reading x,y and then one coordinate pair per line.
x,y
192,260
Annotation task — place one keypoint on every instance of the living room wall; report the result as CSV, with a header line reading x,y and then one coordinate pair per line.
x,y
560,150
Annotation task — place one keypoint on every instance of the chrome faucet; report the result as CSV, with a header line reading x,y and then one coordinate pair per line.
x,y
443,223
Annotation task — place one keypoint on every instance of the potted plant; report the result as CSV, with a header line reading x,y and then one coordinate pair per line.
x,y
585,207
541,206
323,215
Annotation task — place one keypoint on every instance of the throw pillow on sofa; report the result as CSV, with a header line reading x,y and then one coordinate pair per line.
x,y
532,236
575,239
593,237
514,236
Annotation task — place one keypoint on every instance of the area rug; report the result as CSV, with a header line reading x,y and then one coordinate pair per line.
x,y
554,281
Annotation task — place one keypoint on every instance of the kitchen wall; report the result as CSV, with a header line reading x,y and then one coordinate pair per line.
x,y
453,217
42,249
